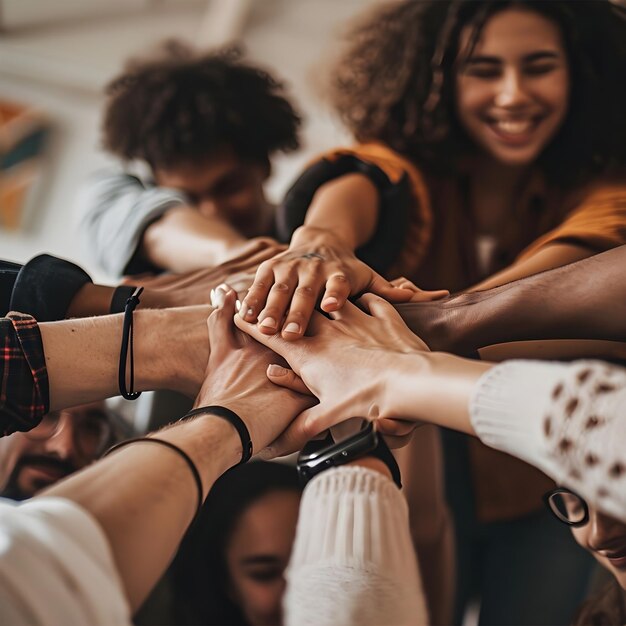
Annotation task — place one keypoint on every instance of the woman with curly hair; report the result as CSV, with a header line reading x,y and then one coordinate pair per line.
x,y
205,124
490,147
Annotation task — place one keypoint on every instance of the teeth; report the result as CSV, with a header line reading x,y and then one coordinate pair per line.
x,y
513,127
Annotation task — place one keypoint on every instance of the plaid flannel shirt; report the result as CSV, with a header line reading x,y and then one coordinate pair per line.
x,y
24,391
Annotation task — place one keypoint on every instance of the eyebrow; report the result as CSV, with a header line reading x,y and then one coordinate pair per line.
x,y
540,55
260,559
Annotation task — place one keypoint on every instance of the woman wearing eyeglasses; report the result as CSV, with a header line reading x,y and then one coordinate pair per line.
x,y
568,420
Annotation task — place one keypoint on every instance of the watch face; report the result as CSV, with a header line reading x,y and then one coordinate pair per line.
x,y
315,458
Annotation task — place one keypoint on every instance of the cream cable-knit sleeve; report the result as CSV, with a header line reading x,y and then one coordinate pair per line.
x,y
569,420
353,561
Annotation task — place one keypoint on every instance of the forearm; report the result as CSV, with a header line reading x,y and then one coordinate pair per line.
x,y
183,240
548,258
582,300
347,207
144,496
432,387
97,299
82,355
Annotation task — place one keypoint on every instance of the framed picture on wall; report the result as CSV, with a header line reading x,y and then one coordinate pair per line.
x,y
24,133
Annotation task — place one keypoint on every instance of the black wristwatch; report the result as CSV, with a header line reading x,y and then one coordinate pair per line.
x,y
320,455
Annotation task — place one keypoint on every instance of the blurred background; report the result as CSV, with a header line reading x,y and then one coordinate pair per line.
x,y
56,56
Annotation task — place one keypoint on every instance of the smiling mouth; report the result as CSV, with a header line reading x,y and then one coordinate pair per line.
x,y
617,558
514,131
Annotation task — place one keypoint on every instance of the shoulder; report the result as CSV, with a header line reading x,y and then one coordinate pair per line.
x,y
394,164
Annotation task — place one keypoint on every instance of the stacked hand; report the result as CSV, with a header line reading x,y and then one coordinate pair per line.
x,y
317,267
236,379
345,363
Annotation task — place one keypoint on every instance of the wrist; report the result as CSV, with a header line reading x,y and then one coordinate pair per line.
x,y
372,463
171,348
211,442
91,300
242,410
156,299
314,236
435,387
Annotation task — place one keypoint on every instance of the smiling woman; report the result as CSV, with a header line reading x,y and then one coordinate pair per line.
x,y
497,128
513,85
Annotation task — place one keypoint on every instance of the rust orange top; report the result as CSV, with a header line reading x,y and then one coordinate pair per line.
x,y
439,252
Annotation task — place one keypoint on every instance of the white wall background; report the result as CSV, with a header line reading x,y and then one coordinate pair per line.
x,y
62,64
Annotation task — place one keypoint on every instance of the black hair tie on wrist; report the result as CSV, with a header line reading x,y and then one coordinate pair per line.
x,y
127,340
120,298
235,420
175,448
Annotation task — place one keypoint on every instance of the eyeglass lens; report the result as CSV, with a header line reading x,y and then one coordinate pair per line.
x,y
568,507
91,434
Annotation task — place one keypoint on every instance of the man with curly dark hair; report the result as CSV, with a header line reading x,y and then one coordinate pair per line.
x,y
205,125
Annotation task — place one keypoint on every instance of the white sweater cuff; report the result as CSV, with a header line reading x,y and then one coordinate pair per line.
x,y
343,515
508,407
353,560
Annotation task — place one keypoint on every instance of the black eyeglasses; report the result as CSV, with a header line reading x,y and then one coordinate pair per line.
x,y
92,433
567,506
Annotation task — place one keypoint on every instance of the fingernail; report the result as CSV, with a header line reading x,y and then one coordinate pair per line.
x,y
218,297
277,370
331,301
292,327
237,306
249,312
268,322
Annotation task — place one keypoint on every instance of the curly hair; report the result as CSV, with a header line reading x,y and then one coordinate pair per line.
x,y
183,106
394,82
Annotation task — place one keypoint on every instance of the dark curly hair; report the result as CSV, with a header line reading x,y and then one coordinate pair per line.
x,y
184,106
395,81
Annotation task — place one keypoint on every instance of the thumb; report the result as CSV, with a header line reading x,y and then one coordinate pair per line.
x,y
427,296
303,428
284,377
385,289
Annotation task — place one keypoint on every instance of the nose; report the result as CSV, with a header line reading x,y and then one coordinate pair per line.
x,y
511,91
604,532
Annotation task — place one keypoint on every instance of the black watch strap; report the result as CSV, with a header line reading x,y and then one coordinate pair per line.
x,y
382,452
320,455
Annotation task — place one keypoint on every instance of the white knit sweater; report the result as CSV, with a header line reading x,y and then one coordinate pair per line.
x,y
353,561
569,420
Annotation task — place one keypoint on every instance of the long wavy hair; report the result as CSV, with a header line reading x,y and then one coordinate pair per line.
x,y
394,82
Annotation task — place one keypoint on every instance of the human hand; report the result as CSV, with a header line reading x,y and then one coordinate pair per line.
x,y
236,379
419,295
174,290
318,266
349,363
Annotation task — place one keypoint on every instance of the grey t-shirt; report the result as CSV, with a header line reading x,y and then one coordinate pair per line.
x,y
115,209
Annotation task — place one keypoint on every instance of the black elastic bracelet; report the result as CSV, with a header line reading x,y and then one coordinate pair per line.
x,y
171,446
127,339
235,420
120,298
